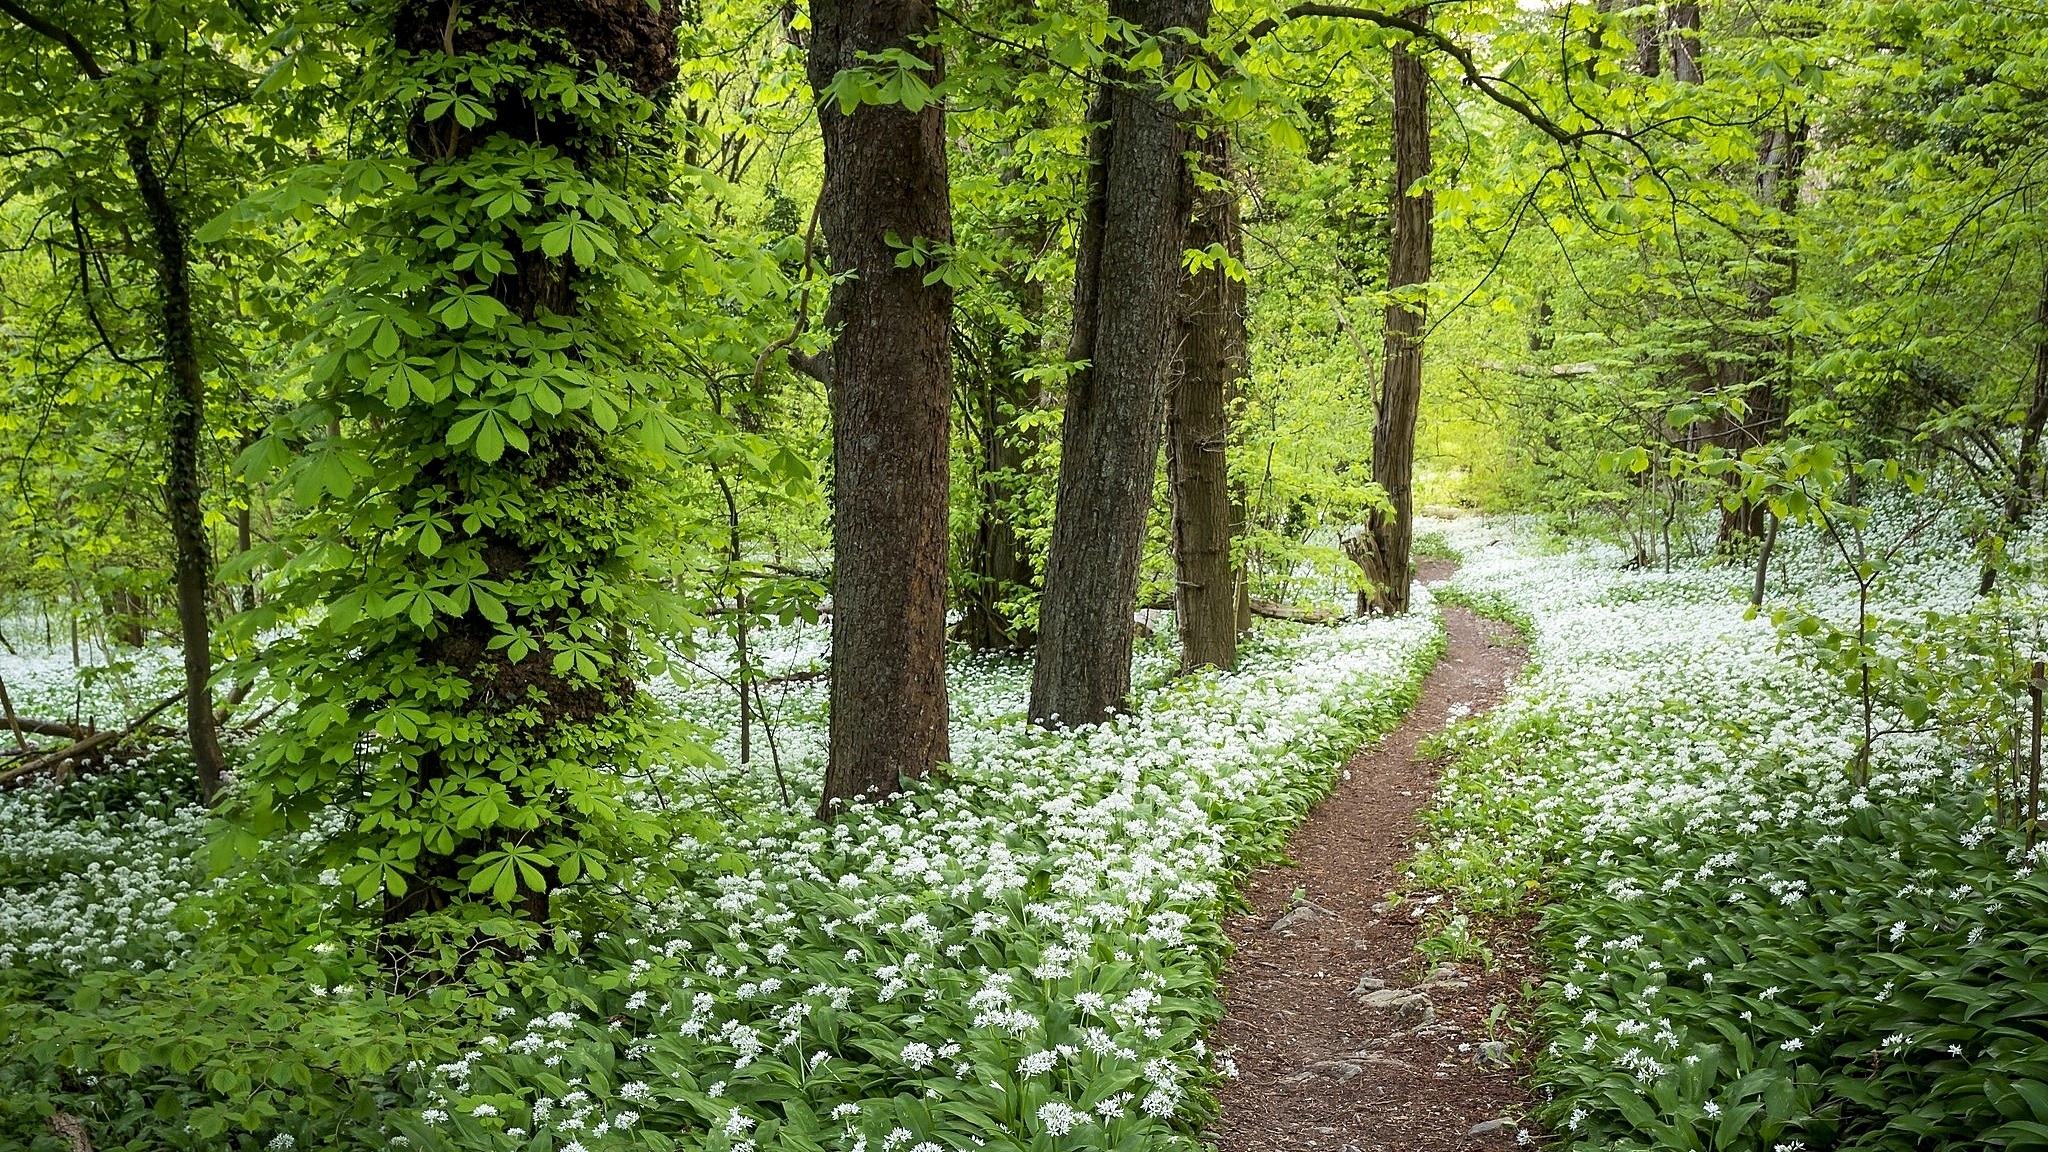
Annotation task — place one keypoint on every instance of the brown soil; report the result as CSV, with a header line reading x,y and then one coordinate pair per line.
x,y
1318,1067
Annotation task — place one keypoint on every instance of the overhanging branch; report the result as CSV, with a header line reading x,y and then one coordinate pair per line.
x,y
1493,88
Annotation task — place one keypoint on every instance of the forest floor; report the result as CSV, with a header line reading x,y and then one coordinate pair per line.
x,y
1344,1037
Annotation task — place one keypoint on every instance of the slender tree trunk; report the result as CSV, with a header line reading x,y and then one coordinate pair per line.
x,y
245,538
1685,42
2021,498
885,176
1383,549
1213,359
1649,46
1126,282
184,429
998,564
1765,372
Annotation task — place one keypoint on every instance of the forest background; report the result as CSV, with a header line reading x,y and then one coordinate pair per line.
x,y
436,377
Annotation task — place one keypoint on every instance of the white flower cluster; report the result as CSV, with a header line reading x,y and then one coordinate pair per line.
x,y
1658,736
1027,947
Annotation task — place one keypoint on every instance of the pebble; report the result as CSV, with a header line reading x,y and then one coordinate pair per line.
x,y
1406,1005
1297,916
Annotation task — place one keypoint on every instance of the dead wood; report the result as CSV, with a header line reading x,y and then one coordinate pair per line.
x,y
1299,613
90,744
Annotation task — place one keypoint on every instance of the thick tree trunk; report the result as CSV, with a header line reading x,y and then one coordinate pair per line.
x,y
551,710
1383,551
184,429
1126,281
885,175
1212,360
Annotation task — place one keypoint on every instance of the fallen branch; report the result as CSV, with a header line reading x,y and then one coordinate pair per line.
x,y
1300,614
35,727
90,744
1270,609
13,721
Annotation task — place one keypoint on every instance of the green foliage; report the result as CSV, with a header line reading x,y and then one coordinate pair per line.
x,y
488,559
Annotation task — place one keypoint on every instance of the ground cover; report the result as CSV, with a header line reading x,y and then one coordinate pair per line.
x,y
1749,949
1023,954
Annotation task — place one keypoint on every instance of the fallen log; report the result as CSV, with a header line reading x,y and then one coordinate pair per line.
x,y
88,745
1300,614
1270,609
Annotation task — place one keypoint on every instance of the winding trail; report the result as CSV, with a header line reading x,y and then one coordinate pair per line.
x,y
1403,1065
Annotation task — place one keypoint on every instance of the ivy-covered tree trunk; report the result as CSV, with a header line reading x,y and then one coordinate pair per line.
x,y
1126,285
547,671
892,372
998,564
483,556
1383,550
184,429
1213,359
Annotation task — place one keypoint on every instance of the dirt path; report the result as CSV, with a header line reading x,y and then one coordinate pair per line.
x,y
1400,1062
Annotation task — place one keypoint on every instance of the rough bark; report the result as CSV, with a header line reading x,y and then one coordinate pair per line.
x,y
885,173
1212,360
1382,550
1126,281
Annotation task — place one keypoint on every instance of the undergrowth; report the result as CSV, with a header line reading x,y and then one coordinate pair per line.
x,y
1748,950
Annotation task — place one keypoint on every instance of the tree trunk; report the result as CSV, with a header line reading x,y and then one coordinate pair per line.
x,y
2026,470
184,429
1685,42
885,176
1212,360
568,479
1649,60
998,564
1764,373
1126,281
1384,550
